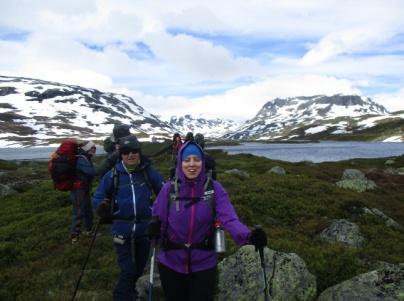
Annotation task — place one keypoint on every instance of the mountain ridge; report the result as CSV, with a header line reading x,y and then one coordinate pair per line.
x,y
302,117
35,112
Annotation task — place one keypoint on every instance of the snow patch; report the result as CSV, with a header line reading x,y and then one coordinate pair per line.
x,y
316,129
394,139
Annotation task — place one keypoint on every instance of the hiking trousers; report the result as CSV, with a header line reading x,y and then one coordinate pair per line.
x,y
82,210
197,286
132,259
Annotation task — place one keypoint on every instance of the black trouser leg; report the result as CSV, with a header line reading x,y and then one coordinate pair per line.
x,y
198,286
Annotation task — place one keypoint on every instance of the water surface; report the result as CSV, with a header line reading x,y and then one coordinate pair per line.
x,y
318,152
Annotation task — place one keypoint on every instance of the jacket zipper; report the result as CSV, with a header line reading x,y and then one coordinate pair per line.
x,y
191,226
133,195
134,200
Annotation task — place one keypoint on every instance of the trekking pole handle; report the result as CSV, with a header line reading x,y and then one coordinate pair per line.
x,y
262,259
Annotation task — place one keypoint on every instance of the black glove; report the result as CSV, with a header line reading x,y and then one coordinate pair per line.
x,y
258,238
154,228
104,211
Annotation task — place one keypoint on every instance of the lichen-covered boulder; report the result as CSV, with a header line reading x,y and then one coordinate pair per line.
x,y
385,284
400,170
278,170
142,287
9,184
354,179
238,173
241,277
6,190
389,222
343,231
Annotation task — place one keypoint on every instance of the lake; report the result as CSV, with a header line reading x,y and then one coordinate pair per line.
x,y
318,152
32,153
315,152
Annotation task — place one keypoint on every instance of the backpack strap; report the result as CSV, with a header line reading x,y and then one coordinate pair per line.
x,y
208,195
149,185
113,190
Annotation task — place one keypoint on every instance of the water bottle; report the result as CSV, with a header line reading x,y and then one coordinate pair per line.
x,y
220,243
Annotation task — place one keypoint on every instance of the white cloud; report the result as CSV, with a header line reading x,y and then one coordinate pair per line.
x,y
244,102
345,42
201,59
391,101
351,45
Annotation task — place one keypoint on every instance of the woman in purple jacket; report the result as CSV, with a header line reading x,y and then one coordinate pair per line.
x,y
184,220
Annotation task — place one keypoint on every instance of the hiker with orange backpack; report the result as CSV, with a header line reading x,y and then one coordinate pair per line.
x,y
80,193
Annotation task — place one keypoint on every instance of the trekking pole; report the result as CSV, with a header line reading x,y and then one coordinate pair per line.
x,y
261,252
85,262
151,278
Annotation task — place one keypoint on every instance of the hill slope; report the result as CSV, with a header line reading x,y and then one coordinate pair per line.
x,y
322,116
37,261
36,112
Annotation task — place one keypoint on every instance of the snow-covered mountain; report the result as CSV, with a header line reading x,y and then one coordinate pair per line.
x,y
302,117
37,112
212,128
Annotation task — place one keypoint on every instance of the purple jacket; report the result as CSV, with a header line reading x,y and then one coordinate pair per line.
x,y
193,224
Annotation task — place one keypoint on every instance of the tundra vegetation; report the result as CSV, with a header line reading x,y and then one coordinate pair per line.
x,y
38,262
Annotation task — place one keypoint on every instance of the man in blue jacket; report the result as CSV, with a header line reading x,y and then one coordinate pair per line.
x,y
125,193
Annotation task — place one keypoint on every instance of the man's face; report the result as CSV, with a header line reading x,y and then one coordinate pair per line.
x,y
130,157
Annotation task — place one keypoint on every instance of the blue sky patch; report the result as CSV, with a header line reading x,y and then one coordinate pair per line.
x,y
247,46
142,52
95,47
18,36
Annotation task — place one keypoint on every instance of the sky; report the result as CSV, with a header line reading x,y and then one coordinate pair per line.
x,y
218,59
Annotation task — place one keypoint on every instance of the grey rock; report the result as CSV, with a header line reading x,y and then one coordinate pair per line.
x,y
353,174
400,171
241,277
390,162
278,170
6,190
385,284
343,231
354,179
389,222
239,173
142,287
391,171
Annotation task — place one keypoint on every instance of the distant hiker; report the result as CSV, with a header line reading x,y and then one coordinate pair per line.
x,y
124,193
176,145
189,137
111,146
210,163
185,215
80,193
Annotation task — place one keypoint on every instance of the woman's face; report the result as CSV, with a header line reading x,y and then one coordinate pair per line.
x,y
191,167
